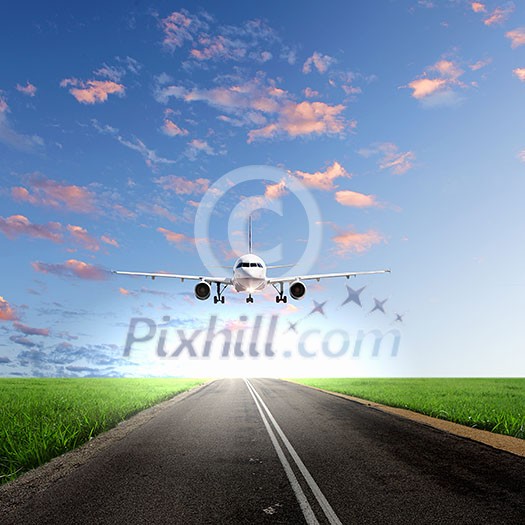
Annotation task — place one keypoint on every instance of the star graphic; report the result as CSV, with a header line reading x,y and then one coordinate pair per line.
x,y
379,305
353,296
292,327
399,318
318,307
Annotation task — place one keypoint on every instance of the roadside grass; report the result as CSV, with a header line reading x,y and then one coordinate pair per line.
x,y
43,418
497,405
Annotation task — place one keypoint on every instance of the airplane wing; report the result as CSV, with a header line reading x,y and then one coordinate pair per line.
x,y
320,276
221,280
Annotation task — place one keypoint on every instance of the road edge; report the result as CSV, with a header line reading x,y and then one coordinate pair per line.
x,y
32,482
510,444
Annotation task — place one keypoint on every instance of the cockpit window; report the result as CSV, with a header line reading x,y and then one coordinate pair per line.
x,y
248,265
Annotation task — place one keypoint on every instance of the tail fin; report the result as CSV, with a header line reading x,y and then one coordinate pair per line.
x,y
250,234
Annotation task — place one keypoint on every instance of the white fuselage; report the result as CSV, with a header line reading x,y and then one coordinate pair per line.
x,y
249,274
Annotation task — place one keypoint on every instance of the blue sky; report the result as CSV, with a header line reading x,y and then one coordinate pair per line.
x,y
401,120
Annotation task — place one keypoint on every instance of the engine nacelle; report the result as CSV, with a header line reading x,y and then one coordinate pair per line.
x,y
297,290
202,291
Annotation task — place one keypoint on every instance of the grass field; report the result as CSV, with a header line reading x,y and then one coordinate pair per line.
x,y
43,418
497,405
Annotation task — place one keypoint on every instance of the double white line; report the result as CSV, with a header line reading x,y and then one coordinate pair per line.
x,y
299,493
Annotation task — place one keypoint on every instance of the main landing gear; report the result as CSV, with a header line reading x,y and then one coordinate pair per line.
x,y
280,291
249,299
219,298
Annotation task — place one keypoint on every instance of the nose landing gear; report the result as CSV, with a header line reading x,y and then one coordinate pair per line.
x,y
249,299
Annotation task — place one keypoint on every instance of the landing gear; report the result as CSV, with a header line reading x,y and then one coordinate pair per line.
x,y
280,291
249,299
219,298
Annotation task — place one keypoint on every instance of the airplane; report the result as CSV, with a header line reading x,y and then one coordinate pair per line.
x,y
250,276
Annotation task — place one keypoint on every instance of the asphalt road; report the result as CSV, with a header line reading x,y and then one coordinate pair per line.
x,y
268,451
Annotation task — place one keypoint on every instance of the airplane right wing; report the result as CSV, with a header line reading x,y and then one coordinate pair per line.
x,y
318,277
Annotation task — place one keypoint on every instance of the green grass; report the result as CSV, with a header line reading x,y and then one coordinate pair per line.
x,y
43,418
497,405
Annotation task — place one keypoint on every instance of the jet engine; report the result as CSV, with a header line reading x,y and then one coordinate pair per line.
x,y
202,291
297,290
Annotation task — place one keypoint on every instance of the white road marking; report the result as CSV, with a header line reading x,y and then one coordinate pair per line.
x,y
319,496
308,513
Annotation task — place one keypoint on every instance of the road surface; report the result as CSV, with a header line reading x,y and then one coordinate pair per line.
x,y
268,451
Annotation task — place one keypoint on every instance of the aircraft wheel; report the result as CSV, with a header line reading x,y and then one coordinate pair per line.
x,y
215,299
222,299
285,299
277,299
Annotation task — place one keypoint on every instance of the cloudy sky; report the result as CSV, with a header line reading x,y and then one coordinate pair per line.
x,y
402,120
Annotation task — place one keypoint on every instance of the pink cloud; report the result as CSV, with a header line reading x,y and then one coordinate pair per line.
x,y
391,158
48,192
124,212
348,242
478,7
114,73
499,15
517,37
445,73
310,93
323,180
259,102
16,225
237,43
4,108
319,61
520,73
398,163
355,199
179,27
219,47
199,145
480,64
423,87
447,69
179,239
172,130
29,89
82,236
312,117
29,330
305,118
108,240
160,211
7,313
92,91
123,291
72,268
183,186
275,191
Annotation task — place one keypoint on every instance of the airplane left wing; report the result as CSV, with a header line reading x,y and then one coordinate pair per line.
x,y
220,280
318,277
